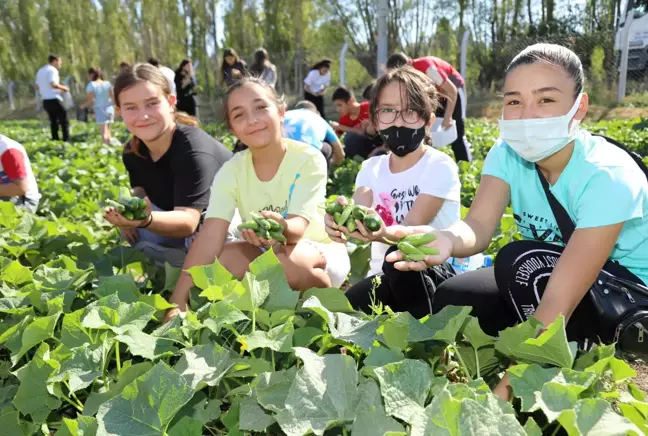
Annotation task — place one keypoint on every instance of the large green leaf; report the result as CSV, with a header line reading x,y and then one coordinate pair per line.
x,y
33,398
252,417
82,426
186,426
36,332
448,322
475,335
278,338
405,386
125,317
332,299
123,285
374,423
401,330
593,416
95,400
209,275
550,389
16,274
345,327
272,388
323,394
81,368
223,314
267,267
11,424
147,405
551,347
145,345
205,364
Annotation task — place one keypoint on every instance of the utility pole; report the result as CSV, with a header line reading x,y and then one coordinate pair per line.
x,y
383,11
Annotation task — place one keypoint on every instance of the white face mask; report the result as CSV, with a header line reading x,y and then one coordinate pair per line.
x,y
535,139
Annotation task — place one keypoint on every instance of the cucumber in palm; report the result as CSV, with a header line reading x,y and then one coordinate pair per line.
x,y
347,216
265,228
131,208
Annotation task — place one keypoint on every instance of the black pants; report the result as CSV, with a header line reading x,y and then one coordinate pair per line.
x,y
317,100
58,117
409,291
459,146
500,296
360,145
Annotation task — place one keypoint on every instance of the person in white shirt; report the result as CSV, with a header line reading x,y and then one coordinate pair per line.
x,y
49,89
316,83
413,185
168,73
17,182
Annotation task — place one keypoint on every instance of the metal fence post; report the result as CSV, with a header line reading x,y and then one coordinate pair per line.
x,y
625,42
383,11
10,92
343,63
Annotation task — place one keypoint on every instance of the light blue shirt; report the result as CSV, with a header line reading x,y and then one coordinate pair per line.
x,y
601,185
101,93
306,126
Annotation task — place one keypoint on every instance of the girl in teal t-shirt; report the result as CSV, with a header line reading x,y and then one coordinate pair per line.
x,y
599,185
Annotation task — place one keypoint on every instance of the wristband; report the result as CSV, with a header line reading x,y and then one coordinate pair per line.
x,y
150,220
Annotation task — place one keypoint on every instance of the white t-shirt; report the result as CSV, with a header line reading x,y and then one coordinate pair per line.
x,y
15,165
434,174
170,75
316,81
44,78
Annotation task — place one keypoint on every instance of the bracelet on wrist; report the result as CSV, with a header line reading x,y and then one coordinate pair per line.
x,y
148,222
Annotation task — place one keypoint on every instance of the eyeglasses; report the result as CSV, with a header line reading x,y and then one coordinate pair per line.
x,y
388,115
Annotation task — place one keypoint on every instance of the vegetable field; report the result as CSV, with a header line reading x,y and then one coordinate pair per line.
x,y
83,350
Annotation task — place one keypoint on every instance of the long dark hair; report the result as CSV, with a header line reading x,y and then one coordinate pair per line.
x,y
261,61
95,73
226,53
130,77
182,65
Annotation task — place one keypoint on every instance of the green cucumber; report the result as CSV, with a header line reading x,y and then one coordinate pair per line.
x,y
333,208
372,222
419,239
351,225
407,248
414,257
128,215
344,216
428,251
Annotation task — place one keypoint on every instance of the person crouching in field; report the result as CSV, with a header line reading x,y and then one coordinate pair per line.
x,y
280,179
17,182
171,163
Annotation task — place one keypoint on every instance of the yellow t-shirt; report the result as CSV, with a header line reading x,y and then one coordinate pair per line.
x,y
298,188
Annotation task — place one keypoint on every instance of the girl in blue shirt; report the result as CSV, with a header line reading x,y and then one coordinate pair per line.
x,y
100,97
599,185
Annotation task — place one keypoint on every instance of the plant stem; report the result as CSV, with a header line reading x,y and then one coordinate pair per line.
x,y
78,407
477,363
117,357
273,360
461,362
344,431
253,320
555,432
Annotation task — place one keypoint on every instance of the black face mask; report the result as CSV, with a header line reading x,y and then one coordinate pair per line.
x,y
402,140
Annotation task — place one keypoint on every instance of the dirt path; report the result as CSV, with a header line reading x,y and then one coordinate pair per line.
x,y
642,375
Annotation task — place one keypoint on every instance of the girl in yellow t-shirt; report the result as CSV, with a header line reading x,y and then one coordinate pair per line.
x,y
282,179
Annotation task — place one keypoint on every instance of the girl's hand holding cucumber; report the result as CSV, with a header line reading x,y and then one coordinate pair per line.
x,y
264,230
344,220
128,212
419,247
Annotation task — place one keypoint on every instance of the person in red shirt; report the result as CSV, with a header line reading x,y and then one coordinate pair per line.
x,y
360,139
17,182
452,86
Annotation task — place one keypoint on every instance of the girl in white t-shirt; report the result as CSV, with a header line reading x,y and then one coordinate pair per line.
x,y
413,185
317,82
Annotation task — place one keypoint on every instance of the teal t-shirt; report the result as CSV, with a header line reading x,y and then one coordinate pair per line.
x,y
601,185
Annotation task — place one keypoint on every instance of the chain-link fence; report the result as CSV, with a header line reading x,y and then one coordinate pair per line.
x,y
484,74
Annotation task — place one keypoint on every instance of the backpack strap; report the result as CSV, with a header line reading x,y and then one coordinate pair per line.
x,y
565,223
